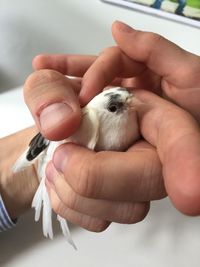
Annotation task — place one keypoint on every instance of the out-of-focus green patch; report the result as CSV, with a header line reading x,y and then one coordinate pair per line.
x,y
192,3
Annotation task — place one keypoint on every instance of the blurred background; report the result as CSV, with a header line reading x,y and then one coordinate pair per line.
x,y
30,27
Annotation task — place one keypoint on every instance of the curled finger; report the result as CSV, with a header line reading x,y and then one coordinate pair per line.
x,y
135,175
113,211
89,223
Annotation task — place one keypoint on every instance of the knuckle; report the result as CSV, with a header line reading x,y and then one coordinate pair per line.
x,y
153,37
131,213
71,200
95,225
39,89
187,204
157,187
88,181
139,213
149,38
56,206
143,211
38,78
45,75
155,44
100,227
111,49
29,85
39,61
152,174
153,40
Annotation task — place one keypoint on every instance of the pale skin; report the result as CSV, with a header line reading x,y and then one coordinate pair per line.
x,y
94,189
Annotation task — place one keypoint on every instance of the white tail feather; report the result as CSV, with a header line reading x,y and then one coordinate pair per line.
x,y
65,230
37,201
47,215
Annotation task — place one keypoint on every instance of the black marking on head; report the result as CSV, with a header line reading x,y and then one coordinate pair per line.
x,y
36,146
115,96
115,103
108,94
122,89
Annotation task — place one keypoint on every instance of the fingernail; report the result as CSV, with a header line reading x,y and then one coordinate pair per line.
x,y
121,26
60,159
53,115
51,172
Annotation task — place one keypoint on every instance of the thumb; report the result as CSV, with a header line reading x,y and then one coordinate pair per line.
x,y
53,103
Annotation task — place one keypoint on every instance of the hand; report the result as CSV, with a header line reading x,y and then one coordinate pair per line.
x,y
50,86
53,103
180,142
17,189
141,60
93,189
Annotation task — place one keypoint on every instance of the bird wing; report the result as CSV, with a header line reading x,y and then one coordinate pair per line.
x,y
36,147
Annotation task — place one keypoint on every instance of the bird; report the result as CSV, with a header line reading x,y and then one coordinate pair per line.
x,y
109,123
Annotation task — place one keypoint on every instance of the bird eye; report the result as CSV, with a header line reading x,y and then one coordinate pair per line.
x,y
112,108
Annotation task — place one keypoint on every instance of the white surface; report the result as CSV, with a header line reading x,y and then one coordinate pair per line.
x,y
166,238
29,27
143,6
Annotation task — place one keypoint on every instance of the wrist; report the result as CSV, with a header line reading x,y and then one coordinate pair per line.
x,y
17,190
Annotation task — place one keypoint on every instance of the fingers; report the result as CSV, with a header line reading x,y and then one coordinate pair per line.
x,y
92,210
53,104
97,72
113,211
176,135
17,189
110,64
92,214
149,59
132,176
179,69
75,217
72,65
159,54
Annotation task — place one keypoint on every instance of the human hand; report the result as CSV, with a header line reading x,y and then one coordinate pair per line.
x,y
146,60
50,87
141,60
128,212
53,102
172,71
17,189
93,189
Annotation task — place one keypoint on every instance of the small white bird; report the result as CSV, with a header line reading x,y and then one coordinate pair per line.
x,y
109,122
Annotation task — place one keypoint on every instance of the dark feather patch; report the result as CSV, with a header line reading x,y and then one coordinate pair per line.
x,y
115,103
108,94
36,146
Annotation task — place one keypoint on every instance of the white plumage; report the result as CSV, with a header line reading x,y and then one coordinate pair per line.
x,y
109,122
